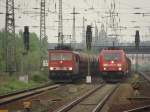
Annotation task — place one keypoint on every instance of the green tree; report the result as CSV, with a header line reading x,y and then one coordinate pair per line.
x,y
32,60
2,51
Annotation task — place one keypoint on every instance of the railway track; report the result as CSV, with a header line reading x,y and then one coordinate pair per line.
x,y
25,93
145,76
21,91
140,109
92,101
145,108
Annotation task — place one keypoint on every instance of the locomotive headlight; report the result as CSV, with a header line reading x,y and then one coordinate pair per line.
x,y
51,68
105,65
104,68
119,65
120,68
112,62
70,68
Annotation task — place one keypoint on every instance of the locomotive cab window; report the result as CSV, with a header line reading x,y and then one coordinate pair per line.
x,y
60,56
112,56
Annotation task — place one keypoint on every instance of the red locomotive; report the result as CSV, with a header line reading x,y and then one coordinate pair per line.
x,y
66,65
114,64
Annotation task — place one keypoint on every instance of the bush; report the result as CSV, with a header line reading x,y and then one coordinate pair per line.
x,y
13,84
39,78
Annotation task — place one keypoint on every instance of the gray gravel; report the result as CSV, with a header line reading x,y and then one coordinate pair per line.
x,y
89,103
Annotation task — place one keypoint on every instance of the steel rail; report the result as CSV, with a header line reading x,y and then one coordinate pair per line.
x,y
78,100
23,94
104,100
22,90
140,109
145,76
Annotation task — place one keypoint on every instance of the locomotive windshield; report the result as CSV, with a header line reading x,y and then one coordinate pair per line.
x,y
60,56
112,56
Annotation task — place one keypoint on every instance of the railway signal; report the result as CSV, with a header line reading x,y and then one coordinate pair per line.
x,y
137,39
88,37
88,46
26,34
26,38
137,43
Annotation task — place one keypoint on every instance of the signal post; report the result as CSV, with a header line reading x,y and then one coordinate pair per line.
x,y
137,44
24,74
88,47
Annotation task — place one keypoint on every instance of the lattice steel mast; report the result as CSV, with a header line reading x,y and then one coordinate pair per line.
x,y
42,22
60,25
42,28
10,37
83,33
74,27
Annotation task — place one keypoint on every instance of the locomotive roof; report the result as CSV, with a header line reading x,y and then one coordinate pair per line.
x,y
69,51
112,50
64,51
54,50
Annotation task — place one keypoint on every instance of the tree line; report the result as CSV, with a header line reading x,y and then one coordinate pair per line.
x,y
32,59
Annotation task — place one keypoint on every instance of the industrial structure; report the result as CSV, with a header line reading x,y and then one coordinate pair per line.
x,y
10,37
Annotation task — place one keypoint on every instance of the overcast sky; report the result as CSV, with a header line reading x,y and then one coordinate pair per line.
x,y
92,10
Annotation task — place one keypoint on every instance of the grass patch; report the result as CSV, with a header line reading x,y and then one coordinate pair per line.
x,y
39,78
13,84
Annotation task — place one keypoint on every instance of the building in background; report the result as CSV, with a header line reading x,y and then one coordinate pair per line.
x,y
103,39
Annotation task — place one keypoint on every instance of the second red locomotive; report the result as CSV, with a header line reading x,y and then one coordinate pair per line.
x,y
114,64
